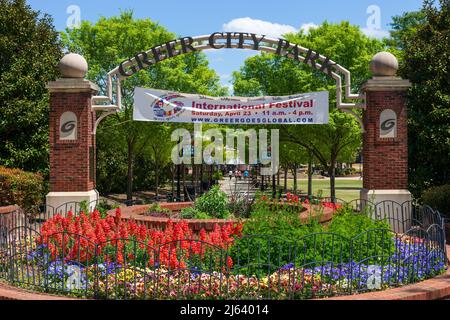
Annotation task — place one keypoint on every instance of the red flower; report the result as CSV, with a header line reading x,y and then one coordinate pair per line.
x,y
229,262
88,235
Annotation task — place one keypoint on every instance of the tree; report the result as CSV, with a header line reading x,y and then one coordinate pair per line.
x,y
291,158
29,54
160,148
426,64
112,40
404,27
274,75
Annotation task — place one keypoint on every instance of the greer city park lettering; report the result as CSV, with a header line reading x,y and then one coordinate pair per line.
x,y
185,45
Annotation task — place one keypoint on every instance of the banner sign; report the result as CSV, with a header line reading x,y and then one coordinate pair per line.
x,y
166,106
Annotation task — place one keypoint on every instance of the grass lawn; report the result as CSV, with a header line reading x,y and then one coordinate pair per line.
x,y
345,189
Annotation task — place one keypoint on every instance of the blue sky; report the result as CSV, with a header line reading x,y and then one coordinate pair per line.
x,y
198,17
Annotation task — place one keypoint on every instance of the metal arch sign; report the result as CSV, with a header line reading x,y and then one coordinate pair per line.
x,y
230,40
241,41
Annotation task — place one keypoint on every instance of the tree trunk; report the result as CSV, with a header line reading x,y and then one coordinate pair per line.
x,y
285,179
210,179
310,174
295,179
178,182
201,179
157,181
183,168
194,176
130,162
274,187
278,178
332,173
174,169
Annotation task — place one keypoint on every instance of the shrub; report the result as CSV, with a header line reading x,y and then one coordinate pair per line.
x,y
193,213
370,238
213,203
103,207
240,207
277,229
21,188
286,240
188,213
157,210
218,175
438,199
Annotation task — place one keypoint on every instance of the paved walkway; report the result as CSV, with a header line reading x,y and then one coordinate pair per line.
x,y
242,187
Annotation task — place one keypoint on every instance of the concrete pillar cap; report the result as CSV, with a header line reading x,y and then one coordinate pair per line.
x,y
384,64
73,65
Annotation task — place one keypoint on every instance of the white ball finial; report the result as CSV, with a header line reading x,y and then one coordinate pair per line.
x,y
73,65
384,64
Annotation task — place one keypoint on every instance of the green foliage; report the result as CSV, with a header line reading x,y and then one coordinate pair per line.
x,y
349,224
426,64
156,208
84,207
193,213
404,27
214,203
278,220
346,172
369,237
438,199
240,207
189,213
202,215
279,231
103,207
218,175
285,239
20,188
29,54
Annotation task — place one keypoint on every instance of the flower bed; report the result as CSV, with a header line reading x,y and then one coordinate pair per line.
x,y
87,236
108,257
138,214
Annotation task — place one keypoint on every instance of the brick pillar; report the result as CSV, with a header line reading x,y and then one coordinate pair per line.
x,y
385,141
72,144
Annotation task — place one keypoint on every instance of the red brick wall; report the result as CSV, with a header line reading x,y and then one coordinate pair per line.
x,y
69,160
385,160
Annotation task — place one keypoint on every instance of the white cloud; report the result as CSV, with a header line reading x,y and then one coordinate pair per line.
x,y
308,26
375,33
258,26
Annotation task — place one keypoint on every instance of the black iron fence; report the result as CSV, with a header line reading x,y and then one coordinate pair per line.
x,y
316,265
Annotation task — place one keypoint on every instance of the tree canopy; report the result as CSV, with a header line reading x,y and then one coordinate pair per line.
x,y
426,64
29,54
